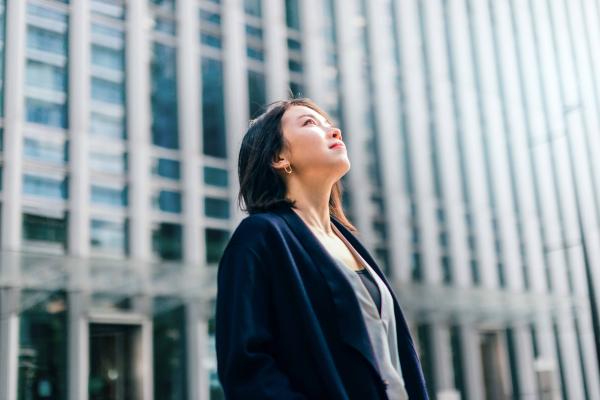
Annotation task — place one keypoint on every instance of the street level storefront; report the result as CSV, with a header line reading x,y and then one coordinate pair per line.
x,y
106,329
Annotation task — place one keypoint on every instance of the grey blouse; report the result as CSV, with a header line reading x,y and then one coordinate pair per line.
x,y
381,328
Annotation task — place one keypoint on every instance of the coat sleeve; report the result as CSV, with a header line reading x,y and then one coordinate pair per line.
x,y
243,332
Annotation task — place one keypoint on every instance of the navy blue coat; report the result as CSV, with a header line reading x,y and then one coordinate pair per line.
x,y
288,323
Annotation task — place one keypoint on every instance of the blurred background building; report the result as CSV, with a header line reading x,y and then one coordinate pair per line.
x,y
472,128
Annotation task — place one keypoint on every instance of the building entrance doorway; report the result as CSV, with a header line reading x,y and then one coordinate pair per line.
x,y
114,354
495,368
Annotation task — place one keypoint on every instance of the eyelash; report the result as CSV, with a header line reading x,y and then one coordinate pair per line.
x,y
310,119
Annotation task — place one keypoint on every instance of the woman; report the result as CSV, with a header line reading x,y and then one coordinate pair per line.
x,y
303,310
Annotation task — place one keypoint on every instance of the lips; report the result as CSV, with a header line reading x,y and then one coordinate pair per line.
x,y
336,145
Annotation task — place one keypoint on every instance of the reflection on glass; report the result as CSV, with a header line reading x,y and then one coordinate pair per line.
x,y
164,97
256,91
213,108
113,362
44,229
167,241
169,201
50,152
167,168
109,196
216,208
108,236
108,126
170,350
46,113
42,346
215,176
216,240
46,76
45,187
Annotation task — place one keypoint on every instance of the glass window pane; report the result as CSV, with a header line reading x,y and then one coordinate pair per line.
x,y
107,162
256,92
113,127
213,113
252,7
109,196
215,176
217,208
46,229
45,40
292,17
167,241
168,168
46,113
164,97
46,76
169,201
35,149
108,235
108,58
45,187
45,12
216,240
170,350
107,91
42,349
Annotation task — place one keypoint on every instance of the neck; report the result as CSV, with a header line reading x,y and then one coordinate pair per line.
x,y
312,204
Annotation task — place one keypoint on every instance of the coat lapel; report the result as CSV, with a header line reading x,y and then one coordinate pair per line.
x,y
353,330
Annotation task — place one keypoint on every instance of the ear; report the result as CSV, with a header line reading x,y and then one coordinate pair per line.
x,y
280,163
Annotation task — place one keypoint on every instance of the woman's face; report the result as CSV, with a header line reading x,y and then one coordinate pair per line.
x,y
309,147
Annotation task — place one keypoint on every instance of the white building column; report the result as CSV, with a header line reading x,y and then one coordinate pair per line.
x,y
407,18
79,117
138,126
480,211
196,339
188,68
79,198
352,86
236,93
313,48
14,116
9,341
276,51
387,109
14,59
538,154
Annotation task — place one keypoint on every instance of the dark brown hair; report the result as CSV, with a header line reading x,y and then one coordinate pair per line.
x,y
262,187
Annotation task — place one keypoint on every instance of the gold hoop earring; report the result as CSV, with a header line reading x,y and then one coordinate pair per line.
x,y
286,169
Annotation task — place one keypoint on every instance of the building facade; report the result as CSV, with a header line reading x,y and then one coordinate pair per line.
x,y
471,126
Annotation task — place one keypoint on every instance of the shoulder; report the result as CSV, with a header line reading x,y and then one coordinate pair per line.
x,y
258,232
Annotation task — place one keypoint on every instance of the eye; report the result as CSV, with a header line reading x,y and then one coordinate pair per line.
x,y
309,120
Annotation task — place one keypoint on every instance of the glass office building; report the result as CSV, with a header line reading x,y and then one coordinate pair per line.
x,y
472,128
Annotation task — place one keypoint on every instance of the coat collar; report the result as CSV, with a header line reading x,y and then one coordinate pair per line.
x,y
350,320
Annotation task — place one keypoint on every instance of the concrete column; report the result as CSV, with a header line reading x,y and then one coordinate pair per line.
x,y
236,93
352,86
516,136
14,115
447,128
473,369
138,126
196,335
410,43
554,108
9,341
79,117
538,154
188,67
313,50
275,42
387,106
78,344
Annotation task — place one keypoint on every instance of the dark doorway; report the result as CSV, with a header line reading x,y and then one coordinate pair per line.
x,y
113,353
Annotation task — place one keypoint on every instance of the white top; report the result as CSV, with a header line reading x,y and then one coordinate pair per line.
x,y
381,329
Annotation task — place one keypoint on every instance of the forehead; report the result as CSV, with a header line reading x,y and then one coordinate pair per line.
x,y
294,114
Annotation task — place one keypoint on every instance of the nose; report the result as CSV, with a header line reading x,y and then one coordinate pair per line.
x,y
337,133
